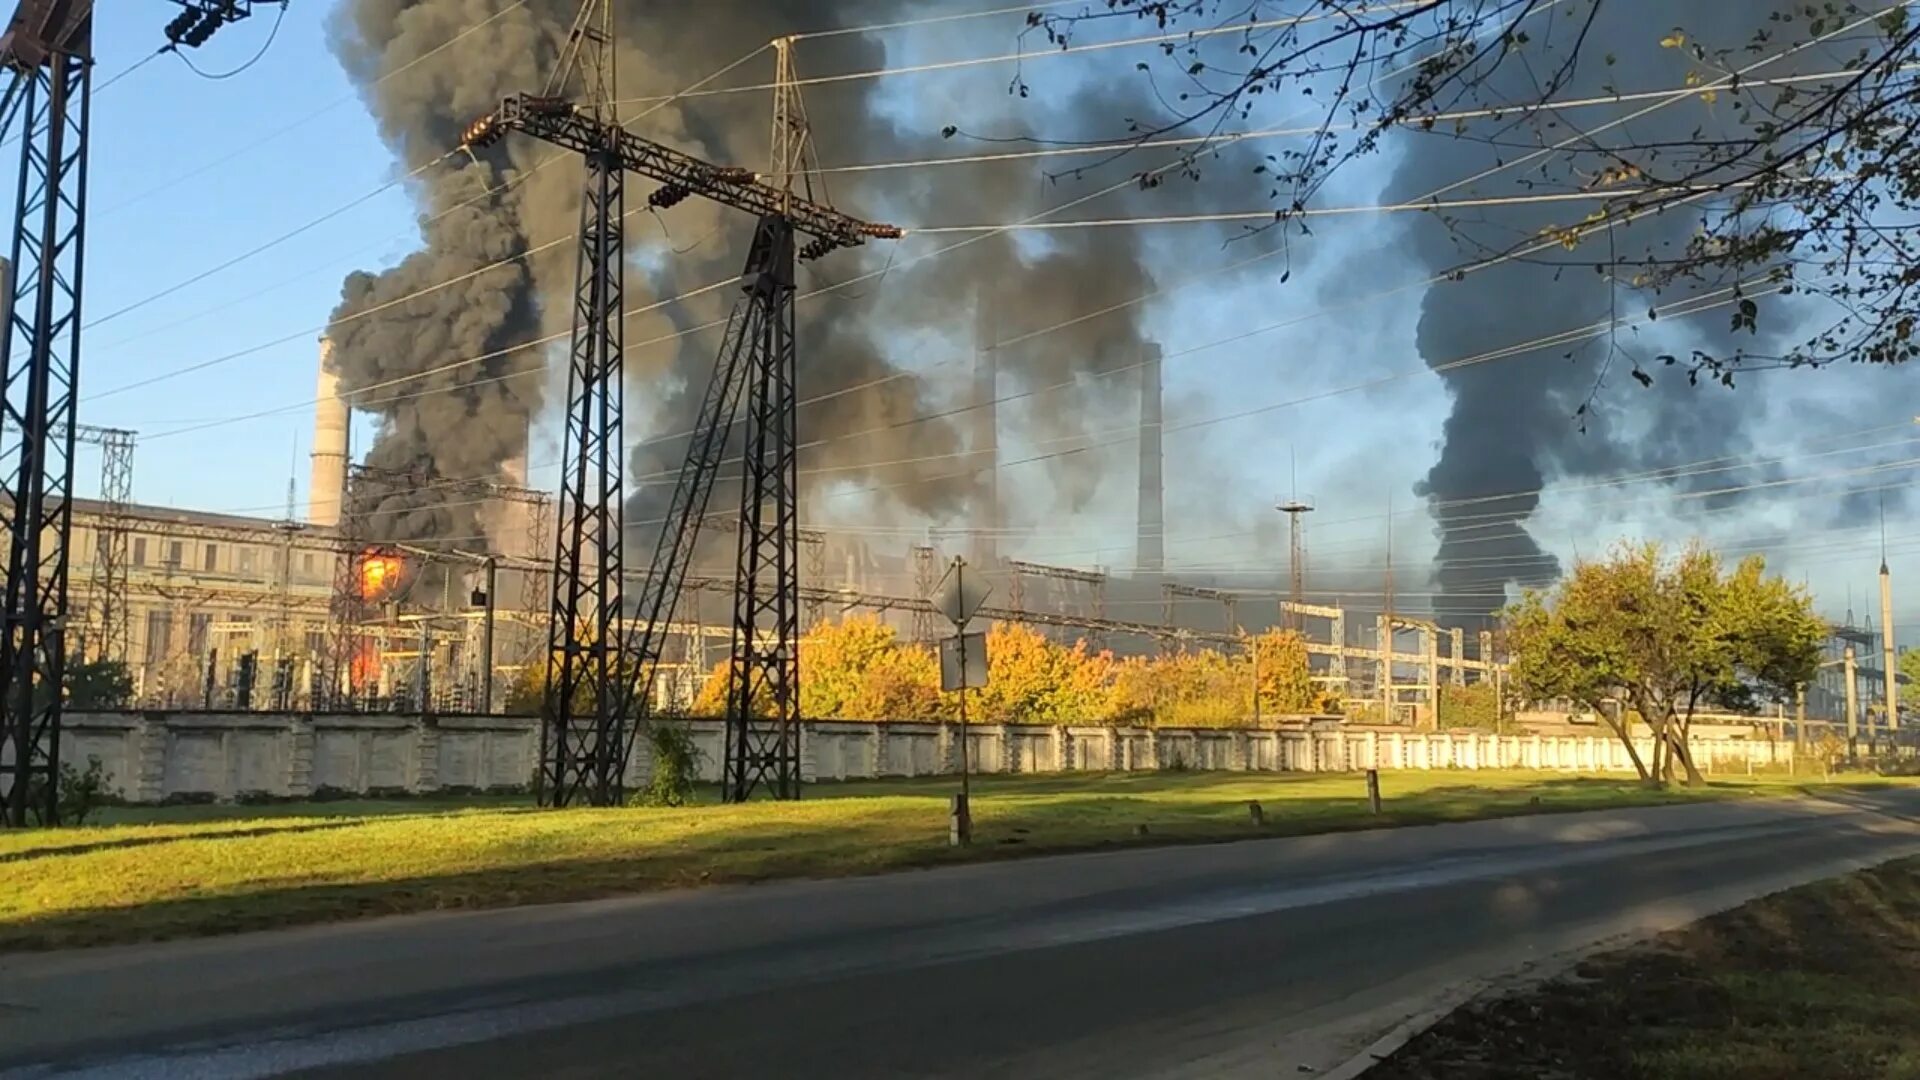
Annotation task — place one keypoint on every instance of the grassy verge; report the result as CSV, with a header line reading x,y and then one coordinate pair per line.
x,y
1817,982
180,871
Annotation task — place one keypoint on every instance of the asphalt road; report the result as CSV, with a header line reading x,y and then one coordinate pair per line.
x,y
1263,958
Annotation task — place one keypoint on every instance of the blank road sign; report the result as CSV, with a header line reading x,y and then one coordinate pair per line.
x,y
960,594
971,676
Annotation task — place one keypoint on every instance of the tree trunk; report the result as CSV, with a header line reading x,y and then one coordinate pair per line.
x,y
1659,722
1626,739
1684,751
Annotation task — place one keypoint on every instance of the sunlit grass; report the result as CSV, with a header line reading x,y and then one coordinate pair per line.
x,y
166,872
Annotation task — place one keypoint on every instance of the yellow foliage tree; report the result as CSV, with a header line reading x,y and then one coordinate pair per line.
x,y
835,658
1031,680
858,669
1286,682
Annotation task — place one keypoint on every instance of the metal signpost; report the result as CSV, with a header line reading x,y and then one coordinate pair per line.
x,y
963,664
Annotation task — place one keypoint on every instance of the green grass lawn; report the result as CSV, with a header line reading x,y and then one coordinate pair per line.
x,y
176,871
1816,983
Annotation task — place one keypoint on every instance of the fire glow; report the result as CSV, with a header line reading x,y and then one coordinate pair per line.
x,y
379,574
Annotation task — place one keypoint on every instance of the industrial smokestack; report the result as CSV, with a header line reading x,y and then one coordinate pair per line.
x,y
986,425
1150,556
330,416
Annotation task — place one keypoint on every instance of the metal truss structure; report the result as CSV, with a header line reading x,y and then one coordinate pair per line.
x,y
601,676
45,106
107,617
355,542
47,57
338,690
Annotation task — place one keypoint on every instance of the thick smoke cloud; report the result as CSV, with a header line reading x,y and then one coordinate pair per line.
x,y
883,428
1518,423
462,420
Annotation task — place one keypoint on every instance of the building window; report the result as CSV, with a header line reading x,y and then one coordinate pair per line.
x,y
139,551
212,558
159,636
176,551
198,624
246,560
306,563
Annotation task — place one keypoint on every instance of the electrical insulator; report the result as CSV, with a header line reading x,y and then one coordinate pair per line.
x,y
198,34
181,23
667,195
816,247
482,132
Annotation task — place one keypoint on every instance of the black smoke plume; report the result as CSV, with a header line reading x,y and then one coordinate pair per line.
x,y
1516,423
886,440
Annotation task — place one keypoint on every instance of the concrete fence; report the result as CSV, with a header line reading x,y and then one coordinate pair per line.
x,y
153,756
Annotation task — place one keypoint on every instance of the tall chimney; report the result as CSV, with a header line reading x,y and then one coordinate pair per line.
x,y
986,426
1150,555
1888,665
330,416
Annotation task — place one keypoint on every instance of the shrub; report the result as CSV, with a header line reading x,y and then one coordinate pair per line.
x,y
1475,706
80,792
676,766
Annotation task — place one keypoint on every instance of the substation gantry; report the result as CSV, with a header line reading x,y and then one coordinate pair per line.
x,y
46,54
602,666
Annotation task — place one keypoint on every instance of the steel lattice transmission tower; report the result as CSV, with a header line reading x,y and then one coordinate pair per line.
x,y
46,55
602,668
107,621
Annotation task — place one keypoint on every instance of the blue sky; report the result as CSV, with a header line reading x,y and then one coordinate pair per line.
x,y
188,173
164,211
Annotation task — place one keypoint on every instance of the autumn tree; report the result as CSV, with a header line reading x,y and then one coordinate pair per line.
x,y
1279,658
1666,635
858,669
1033,680
526,692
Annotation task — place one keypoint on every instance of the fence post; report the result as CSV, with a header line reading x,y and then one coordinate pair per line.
x,y
1373,790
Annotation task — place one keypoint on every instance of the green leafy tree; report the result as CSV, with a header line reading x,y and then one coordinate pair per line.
x,y
1666,635
98,684
1909,667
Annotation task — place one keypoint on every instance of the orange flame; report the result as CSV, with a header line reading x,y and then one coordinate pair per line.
x,y
379,574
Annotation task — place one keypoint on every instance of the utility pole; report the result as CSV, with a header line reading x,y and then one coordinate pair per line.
x,y
1853,700
282,685
1386,625
1799,720
1887,658
486,635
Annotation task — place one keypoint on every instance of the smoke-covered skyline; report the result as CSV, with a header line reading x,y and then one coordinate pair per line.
x,y
885,437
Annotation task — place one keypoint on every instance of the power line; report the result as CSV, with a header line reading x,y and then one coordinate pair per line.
x,y
279,17
314,115
1069,50
1452,116
1225,140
